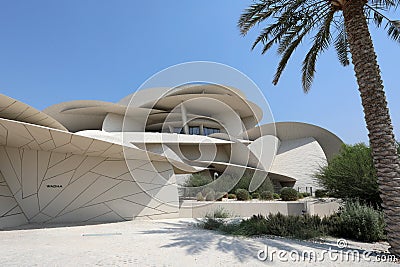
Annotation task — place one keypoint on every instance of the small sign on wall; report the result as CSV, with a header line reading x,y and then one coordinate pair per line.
x,y
54,186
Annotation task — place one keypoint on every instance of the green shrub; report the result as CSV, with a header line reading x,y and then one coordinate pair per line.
x,y
207,190
210,196
357,221
212,223
276,196
351,175
242,194
305,194
267,195
319,193
289,194
219,213
195,183
354,221
303,227
255,195
244,183
197,180
300,195
267,185
215,219
199,196
231,196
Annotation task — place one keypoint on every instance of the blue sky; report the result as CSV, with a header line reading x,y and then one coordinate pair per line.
x,y
56,51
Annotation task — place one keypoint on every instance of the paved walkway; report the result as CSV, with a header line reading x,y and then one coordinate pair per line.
x,y
154,243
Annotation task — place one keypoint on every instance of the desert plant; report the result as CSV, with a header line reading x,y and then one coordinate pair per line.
x,y
199,196
242,194
357,221
195,183
210,196
197,180
210,223
320,193
267,195
289,194
255,195
267,185
207,190
351,174
231,196
244,183
220,213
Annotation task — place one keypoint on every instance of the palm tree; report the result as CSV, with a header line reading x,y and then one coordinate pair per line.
x,y
345,24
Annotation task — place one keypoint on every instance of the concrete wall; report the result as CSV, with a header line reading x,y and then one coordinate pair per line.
x,y
198,209
50,176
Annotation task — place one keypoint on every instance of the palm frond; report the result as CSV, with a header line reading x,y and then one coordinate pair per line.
x,y
394,30
321,42
342,46
392,26
253,15
285,58
384,4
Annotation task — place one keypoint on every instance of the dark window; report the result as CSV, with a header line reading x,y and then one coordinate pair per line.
x,y
194,130
178,130
208,131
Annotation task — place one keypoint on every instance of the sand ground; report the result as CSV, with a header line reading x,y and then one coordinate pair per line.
x,y
174,242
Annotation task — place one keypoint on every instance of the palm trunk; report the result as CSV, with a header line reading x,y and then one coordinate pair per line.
x,y
381,137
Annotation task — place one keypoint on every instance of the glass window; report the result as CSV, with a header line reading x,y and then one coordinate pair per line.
x,y
194,130
208,131
177,130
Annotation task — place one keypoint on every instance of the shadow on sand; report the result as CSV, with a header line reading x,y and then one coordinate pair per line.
x,y
195,241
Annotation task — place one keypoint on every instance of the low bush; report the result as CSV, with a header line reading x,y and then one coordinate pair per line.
x,y
207,190
255,195
242,194
289,194
220,213
231,196
354,221
199,196
319,193
267,195
198,179
212,224
351,175
302,227
210,196
305,194
276,196
357,221
244,183
194,184
300,195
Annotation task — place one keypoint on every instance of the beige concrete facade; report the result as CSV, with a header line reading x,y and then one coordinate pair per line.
x,y
94,161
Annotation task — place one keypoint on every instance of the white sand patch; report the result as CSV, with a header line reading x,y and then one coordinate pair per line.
x,y
174,242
